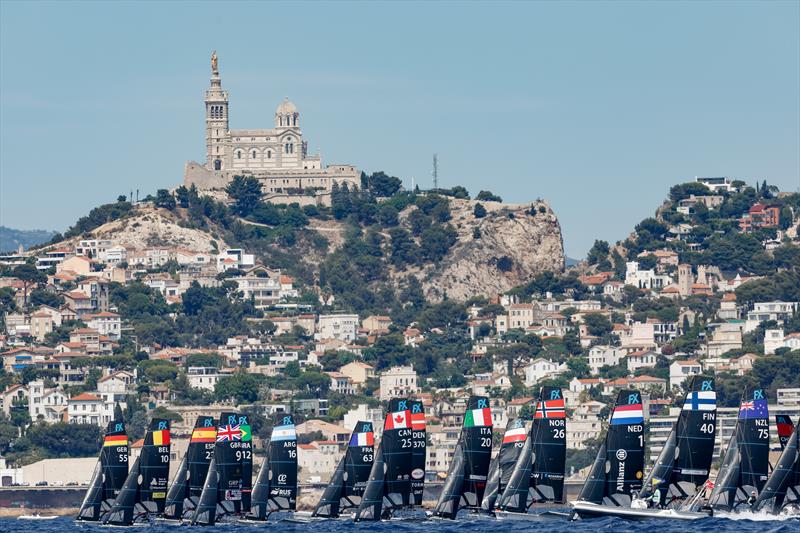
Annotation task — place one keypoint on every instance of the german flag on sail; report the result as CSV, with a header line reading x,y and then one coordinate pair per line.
x,y
115,440
161,437
204,435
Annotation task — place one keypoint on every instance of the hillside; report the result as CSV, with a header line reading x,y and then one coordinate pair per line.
x,y
363,243
11,239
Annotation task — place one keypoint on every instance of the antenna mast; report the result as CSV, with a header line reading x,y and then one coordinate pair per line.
x,y
435,171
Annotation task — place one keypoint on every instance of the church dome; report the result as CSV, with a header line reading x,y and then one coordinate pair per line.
x,y
286,108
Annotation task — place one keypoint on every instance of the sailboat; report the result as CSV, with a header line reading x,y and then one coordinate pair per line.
x,y
109,473
419,442
346,486
469,467
538,475
616,474
145,488
389,486
184,493
781,493
502,466
222,491
745,465
276,485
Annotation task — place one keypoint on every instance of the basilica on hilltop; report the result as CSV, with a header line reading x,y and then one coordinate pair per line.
x,y
277,156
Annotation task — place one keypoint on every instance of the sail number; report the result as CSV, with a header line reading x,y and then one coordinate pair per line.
x,y
367,458
486,442
707,428
243,454
558,433
763,434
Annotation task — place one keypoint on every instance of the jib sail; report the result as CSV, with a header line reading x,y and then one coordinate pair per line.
x,y
188,483
205,514
746,461
349,480
276,486
549,434
685,460
470,464
145,487
783,486
389,484
418,451
502,466
618,468
109,474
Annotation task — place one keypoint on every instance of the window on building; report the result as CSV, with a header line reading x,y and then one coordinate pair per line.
x,y
239,154
269,154
253,155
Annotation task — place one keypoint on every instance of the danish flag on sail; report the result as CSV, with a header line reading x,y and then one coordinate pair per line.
x,y
418,421
398,420
551,409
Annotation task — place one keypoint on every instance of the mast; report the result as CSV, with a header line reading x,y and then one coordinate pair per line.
x,y
684,462
145,487
109,474
276,486
355,466
549,433
746,461
469,469
502,466
418,451
783,486
616,473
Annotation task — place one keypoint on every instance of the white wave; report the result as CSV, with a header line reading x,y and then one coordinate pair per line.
x,y
760,516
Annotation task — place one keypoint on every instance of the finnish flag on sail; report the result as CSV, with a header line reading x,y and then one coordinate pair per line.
x,y
700,401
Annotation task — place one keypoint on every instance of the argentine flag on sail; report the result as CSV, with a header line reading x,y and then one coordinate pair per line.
x,y
283,433
700,401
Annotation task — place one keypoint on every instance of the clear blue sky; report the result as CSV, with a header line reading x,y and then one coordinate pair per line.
x,y
596,107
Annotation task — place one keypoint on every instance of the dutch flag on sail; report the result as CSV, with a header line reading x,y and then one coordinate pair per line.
x,y
627,414
700,401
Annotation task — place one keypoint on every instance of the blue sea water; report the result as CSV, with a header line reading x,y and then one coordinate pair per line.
x,y
716,525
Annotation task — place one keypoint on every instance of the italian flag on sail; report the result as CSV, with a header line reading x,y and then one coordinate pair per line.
x,y
478,417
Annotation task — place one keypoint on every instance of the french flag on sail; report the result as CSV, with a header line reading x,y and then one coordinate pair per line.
x,y
627,414
362,439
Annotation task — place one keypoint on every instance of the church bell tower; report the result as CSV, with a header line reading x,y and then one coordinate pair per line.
x,y
216,120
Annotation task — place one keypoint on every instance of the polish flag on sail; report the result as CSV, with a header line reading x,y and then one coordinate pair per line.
x,y
398,420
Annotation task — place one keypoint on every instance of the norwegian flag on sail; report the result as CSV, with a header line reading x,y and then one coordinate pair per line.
x,y
398,420
551,409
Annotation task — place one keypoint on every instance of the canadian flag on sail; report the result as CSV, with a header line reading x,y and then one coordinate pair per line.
x,y
398,420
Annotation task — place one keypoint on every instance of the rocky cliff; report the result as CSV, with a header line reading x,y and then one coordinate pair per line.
x,y
507,247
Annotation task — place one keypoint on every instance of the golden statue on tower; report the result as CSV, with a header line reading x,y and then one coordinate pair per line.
x,y
214,61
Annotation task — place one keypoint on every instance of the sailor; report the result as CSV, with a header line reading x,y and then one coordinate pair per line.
x,y
637,503
655,499
752,499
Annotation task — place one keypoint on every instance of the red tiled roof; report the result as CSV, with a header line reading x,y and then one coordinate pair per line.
x,y
85,397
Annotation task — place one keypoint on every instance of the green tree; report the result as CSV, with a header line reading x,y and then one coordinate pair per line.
x,y
381,184
246,194
30,276
598,253
479,211
165,199
488,196
241,387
